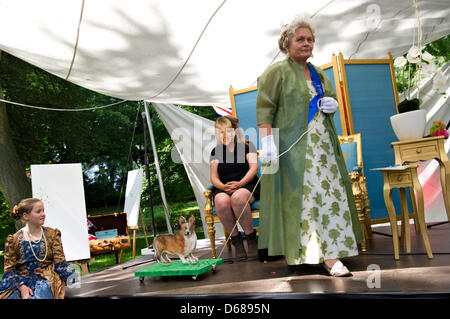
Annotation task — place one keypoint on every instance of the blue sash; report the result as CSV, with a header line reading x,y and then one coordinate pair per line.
x,y
318,86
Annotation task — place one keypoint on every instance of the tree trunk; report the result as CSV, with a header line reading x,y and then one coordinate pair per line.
x,y
13,180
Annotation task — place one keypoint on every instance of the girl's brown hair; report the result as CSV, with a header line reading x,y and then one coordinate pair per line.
x,y
25,206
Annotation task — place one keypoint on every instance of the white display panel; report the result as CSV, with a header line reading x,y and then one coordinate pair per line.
x,y
133,196
60,188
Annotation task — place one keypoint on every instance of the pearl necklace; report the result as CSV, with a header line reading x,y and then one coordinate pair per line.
x,y
31,246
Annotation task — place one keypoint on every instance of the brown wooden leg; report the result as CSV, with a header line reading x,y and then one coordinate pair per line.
x,y
134,243
84,268
120,256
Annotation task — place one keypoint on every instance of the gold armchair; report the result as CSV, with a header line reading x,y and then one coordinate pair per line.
x,y
211,218
352,150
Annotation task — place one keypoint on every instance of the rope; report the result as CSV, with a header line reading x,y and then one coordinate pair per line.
x,y
377,28
76,41
62,110
419,44
259,179
190,54
322,8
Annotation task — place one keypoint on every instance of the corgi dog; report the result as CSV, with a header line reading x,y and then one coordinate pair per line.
x,y
181,244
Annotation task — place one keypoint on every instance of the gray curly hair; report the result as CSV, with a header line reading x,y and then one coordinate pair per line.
x,y
289,30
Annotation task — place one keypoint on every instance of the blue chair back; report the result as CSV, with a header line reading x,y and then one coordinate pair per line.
x,y
337,116
372,101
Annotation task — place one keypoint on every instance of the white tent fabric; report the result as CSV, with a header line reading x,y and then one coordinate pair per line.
x,y
190,52
194,139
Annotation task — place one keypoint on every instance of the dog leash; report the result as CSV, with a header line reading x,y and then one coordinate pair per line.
x,y
319,102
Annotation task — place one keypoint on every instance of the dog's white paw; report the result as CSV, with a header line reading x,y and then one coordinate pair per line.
x,y
192,259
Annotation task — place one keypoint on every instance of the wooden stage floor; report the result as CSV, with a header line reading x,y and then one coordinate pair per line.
x,y
413,274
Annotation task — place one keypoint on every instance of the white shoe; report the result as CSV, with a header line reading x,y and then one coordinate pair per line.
x,y
338,270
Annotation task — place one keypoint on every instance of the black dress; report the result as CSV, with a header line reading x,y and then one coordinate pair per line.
x,y
233,166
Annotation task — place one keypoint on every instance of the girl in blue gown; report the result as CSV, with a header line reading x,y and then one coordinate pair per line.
x,y
35,266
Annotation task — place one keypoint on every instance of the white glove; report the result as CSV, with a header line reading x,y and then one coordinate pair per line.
x,y
329,105
269,150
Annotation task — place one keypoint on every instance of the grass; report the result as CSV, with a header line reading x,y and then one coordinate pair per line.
x,y
175,209
108,260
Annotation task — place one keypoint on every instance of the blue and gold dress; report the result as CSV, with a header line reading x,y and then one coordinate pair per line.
x,y
44,272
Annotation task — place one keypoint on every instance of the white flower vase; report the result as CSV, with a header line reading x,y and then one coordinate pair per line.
x,y
409,125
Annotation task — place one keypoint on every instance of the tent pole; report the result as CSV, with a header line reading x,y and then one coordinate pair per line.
x,y
147,174
158,171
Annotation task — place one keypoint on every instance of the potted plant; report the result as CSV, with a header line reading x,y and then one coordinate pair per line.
x,y
408,105
410,122
439,129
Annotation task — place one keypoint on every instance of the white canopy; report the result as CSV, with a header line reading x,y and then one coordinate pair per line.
x,y
190,52
148,50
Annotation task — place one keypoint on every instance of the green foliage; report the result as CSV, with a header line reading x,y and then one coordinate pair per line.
x,y
408,105
175,211
100,139
6,221
6,227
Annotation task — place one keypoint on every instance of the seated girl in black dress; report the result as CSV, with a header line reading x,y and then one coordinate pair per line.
x,y
233,169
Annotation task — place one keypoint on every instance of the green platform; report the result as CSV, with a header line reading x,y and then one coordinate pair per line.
x,y
177,268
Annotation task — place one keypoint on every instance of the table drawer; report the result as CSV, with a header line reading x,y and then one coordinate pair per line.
x,y
400,178
419,152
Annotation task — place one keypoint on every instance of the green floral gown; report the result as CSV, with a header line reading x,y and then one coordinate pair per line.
x,y
326,226
283,101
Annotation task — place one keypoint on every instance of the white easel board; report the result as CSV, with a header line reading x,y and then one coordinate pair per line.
x,y
133,196
60,188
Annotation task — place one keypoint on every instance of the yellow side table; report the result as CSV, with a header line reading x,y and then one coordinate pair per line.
x,y
402,177
424,149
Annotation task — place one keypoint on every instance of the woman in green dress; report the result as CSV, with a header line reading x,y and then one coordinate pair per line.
x,y
308,212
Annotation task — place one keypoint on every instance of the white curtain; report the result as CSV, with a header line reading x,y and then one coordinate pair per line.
x,y
194,139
